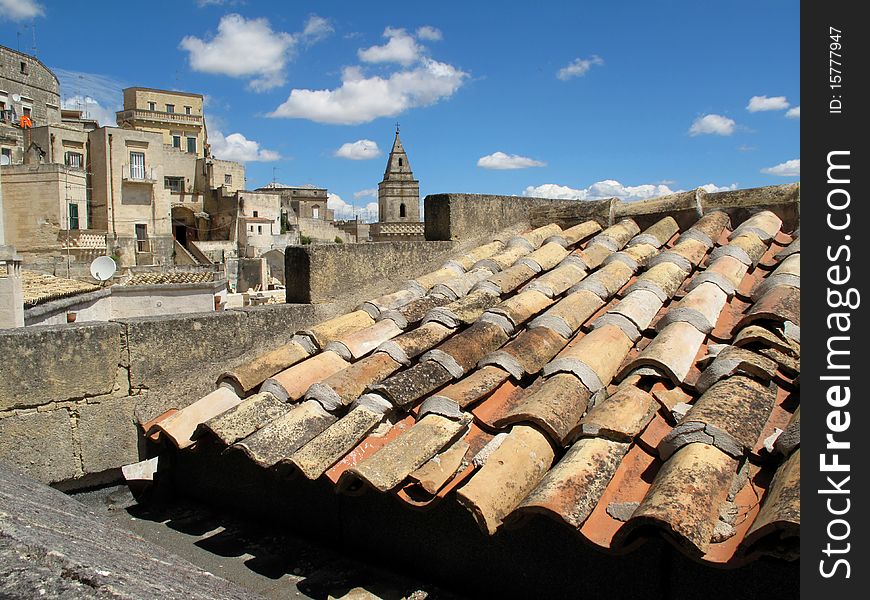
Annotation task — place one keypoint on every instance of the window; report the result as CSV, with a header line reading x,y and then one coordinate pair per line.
x,y
26,111
400,161
137,166
174,184
256,214
152,106
73,159
402,210
187,110
315,211
191,145
259,229
170,108
176,141
228,179
23,68
73,216
142,238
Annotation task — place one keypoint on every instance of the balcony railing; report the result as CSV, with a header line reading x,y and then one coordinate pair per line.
x,y
158,116
138,174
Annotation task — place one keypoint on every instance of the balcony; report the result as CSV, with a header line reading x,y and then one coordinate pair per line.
x,y
138,174
157,116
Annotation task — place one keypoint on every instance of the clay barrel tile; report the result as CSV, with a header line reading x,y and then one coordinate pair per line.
x,y
325,332
246,377
438,470
537,236
730,415
793,248
527,353
570,312
415,310
503,259
545,258
460,285
510,472
555,405
685,497
475,386
733,360
663,279
635,256
291,384
776,529
758,335
746,246
687,254
787,273
620,417
672,351
329,446
781,303
359,343
764,224
657,234
572,488
700,307
349,384
593,255
790,438
602,350
244,419
390,301
580,232
392,464
406,387
619,234
521,307
404,348
465,310
554,283
466,261
712,224
726,272
443,274
179,427
469,346
281,437
606,281
639,308
509,279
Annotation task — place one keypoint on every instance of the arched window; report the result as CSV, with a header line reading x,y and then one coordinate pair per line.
x,y
402,209
400,161
315,211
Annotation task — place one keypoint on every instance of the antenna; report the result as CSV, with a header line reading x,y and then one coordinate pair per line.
x,y
103,268
274,176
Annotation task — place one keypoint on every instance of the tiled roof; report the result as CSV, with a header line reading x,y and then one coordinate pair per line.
x,y
171,277
625,383
40,287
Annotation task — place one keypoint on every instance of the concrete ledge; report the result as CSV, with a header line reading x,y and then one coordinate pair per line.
x,y
353,272
58,362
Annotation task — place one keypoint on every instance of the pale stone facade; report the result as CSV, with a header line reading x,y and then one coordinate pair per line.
x,y
177,116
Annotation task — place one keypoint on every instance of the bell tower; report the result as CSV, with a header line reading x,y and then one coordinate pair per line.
x,y
399,192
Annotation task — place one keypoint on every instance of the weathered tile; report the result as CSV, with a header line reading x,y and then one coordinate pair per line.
x,y
521,307
244,419
291,384
502,260
685,497
711,224
700,307
633,257
404,348
406,387
572,488
672,351
776,529
781,303
391,301
415,310
446,273
616,236
464,311
663,279
580,232
359,343
508,280
537,236
347,385
281,437
555,405
388,467
764,224
466,261
554,283
595,358
327,448
179,427
657,234
478,384
620,417
248,376
790,438
607,280
639,308
730,415
392,427
747,247
544,258
787,273
527,353
510,472
756,335
323,333
460,285
463,350
793,248
434,473
687,254
566,316
593,255
733,360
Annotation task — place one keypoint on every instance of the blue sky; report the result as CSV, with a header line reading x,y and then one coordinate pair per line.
x,y
560,99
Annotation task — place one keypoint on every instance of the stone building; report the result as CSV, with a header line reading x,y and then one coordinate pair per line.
x,y
175,115
398,199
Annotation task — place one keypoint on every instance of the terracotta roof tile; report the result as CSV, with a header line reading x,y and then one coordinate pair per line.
x,y
179,427
776,529
170,277
527,353
353,346
621,417
435,472
475,386
555,405
38,288
244,419
406,387
349,383
290,384
250,375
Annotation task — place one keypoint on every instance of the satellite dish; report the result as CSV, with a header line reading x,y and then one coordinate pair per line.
x,y
4,160
16,97
103,268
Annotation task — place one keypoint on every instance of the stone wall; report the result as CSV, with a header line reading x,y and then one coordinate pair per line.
x,y
72,396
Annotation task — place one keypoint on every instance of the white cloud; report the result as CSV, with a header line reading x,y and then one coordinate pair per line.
x,y
91,109
794,113
711,188
361,99
427,32
345,210
578,67
401,48
713,125
237,147
358,150
762,103
366,193
790,168
500,160
608,188
20,10
246,48
316,29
